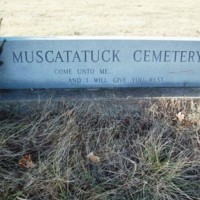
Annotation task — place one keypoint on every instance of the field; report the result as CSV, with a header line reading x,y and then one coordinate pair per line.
x,y
143,148
100,17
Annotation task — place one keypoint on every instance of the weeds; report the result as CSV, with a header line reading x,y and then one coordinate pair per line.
x,y
145,153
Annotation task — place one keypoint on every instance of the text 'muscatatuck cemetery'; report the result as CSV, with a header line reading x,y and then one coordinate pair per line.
x,y
99,63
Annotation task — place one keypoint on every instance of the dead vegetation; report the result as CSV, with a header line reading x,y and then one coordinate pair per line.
x,y
146,153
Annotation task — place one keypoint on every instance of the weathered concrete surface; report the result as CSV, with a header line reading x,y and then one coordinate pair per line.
x,y
22,100
86,94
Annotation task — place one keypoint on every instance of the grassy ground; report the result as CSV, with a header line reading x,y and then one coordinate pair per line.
x,y
145,153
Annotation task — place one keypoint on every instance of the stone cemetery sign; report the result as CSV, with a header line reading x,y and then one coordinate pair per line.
x,y
99,62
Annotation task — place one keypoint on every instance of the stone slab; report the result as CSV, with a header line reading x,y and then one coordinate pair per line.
x,y
104,62
96,94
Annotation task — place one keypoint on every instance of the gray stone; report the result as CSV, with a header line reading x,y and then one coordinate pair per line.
x,y
99,63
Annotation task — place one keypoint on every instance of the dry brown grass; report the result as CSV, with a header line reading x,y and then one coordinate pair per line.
x,y
100,17
145,154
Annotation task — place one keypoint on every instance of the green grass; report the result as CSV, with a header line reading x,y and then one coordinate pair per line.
x,y
145,151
